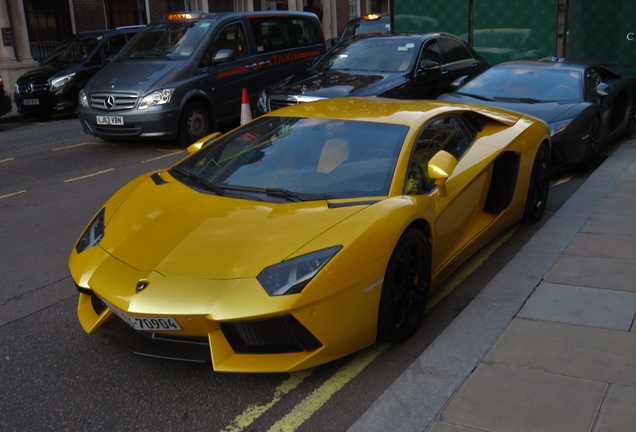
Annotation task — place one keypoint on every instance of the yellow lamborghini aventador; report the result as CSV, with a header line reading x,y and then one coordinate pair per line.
x,y
306,234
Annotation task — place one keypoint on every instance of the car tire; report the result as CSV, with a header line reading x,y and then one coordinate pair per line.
x,y
539,186
630,130
591,148
405,288
194,123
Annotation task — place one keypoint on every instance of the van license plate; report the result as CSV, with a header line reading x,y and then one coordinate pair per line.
x,y
31,101
110,120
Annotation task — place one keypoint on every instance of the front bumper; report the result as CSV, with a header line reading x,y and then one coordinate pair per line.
x,y
233,323
61,101
155,122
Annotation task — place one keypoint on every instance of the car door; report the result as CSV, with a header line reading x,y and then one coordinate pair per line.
x,y
431,76
459,214
458,60
224,79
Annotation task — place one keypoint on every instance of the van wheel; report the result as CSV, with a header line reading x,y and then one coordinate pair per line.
x,y
405,287
194,123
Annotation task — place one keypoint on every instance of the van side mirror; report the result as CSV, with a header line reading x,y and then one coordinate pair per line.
x,y
224,55
440,168
459,82
203,142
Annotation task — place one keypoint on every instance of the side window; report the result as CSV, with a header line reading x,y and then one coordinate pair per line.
x,y
446,133
453,51
231,37
305,32
271,34
592,79
114,44
431,53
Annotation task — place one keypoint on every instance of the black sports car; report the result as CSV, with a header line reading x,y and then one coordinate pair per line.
x,y
413,66
585,104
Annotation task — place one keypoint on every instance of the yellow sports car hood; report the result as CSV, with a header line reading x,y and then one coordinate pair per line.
x,y
179,232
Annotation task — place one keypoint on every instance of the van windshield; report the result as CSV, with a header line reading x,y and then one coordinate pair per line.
x,y
174,41
75,49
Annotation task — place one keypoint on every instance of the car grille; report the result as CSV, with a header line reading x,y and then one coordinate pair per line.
x,y
277,335
280,102
36,89
121,101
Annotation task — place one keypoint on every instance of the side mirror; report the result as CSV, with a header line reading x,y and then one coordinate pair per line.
x,y
224,55
440,168
428,65
603,90
459,82
195,147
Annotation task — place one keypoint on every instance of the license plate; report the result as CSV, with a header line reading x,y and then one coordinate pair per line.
x,y
31,101
146,323
110,120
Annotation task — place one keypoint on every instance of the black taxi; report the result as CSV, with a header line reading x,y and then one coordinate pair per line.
x,y
182,77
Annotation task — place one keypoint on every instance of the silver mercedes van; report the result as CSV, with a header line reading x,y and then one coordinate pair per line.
x,y
182,77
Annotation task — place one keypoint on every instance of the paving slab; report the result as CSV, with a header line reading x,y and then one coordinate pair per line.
x,y
576,351
618,413
603,223
603,245
619,202
503,399
591,307
608,273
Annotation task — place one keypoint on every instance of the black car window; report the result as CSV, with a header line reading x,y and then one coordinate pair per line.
x,y
306,32
446,133
431,53
114,44
231,37
453,51
271,34
593,78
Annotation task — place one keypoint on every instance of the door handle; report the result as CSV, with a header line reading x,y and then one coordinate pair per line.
x,y
264,63
444,72
251,66
473,65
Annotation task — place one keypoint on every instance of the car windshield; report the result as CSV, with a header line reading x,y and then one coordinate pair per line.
x,y
76,49
374,54
174,41
296,159
525,84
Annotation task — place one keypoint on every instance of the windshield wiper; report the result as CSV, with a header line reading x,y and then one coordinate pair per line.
x,y
283,193
206,185
476,96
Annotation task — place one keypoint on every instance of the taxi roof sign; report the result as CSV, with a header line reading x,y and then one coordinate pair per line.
x,y
185,16
372,17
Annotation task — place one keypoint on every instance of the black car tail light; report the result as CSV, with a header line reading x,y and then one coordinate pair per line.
x,y
272,336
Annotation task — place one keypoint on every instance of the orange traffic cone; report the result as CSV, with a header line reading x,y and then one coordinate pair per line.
x,y
246,112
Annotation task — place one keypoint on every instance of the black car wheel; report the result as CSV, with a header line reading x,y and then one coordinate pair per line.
x,y
591,148
194,123
630,130
539,185
405,288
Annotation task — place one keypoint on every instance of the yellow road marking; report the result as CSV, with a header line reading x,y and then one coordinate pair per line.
x,y
161,157
564,179
6,160
89,175
322,394
12,194
469,266
76,145
251,413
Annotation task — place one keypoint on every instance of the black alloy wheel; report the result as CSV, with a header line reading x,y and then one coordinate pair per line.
x,y
194,124
539,185
591,147
405,289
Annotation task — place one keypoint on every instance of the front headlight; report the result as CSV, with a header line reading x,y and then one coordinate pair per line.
x,y
291,276
56,83
83,100
261,104
558,126
93,234
156,98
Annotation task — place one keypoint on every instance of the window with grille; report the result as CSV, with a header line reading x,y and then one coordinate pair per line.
x,y
125,12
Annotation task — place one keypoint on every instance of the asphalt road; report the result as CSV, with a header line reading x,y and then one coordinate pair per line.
x,y
53,178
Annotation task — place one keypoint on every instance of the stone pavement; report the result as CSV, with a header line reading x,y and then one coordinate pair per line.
x,y
549,344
